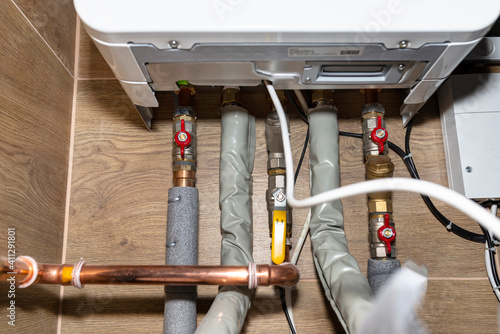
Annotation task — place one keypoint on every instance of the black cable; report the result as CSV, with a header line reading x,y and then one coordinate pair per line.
x,y
296,106
457,230
306,141
491,249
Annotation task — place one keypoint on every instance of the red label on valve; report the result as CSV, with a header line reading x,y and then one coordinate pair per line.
x,y
387,234
183,138
379,135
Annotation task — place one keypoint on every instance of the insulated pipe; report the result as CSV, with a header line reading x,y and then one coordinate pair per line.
x,y
182,218
345,286
182,249
229,309
79,274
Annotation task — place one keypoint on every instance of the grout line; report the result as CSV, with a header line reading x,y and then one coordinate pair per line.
x,y
70,168
95,79
457,278
43,39
429,278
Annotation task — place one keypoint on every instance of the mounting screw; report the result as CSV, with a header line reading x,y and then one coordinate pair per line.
x,y
173,44
403,44
468,169
388,233
182,136
380,133
401,67
280,197
308,80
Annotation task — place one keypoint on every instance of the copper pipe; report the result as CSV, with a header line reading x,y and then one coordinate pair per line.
x,y
231,95
184,178
185,93
371,96
261,275
19,269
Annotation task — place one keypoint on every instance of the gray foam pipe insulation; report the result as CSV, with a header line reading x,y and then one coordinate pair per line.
x,y
182,249
229,309
345,286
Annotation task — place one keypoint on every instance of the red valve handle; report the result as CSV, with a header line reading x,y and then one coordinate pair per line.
x,y
183,142
383,237
379,140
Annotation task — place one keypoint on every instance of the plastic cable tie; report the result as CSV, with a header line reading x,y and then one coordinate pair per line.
x,y
252,275
75,275
449,226
409,155
491,249
34,268
495,288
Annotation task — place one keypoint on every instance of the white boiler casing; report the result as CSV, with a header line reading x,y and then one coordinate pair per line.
x,y
316,44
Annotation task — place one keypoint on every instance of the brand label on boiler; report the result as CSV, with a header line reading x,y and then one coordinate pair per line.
x,y
325,51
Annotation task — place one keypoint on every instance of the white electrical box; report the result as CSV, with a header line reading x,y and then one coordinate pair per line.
x,y
316,44
470,119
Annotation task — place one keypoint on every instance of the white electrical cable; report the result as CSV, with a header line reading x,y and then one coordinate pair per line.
x,y
301,98
470,208
288,303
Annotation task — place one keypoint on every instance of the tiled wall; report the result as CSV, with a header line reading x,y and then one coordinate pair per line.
x,y
36,94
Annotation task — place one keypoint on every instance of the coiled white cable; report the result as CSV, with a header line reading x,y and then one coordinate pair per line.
x,y
470,208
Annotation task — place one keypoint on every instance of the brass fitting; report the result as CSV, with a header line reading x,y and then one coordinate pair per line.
x,y
322,96
377,247
184,147
377,167
379,203
370,114
231,95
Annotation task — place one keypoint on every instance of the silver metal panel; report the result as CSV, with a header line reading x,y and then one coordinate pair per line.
x,y
470,118
285,63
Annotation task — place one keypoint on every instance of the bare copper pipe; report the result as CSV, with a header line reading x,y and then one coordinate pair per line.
x,y
21,270
371,96
185,93
264,275
184,178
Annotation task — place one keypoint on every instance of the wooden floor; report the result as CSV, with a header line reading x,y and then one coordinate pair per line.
x,y
121,174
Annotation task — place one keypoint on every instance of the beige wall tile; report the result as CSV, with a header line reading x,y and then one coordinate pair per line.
x,y
55,20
